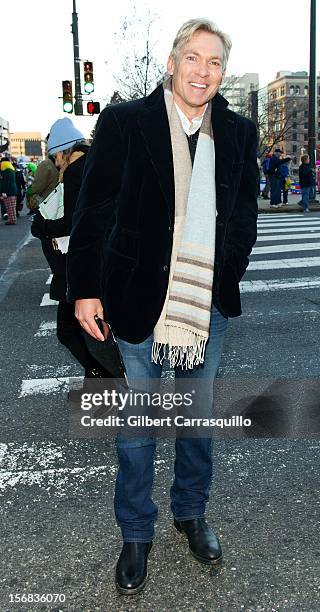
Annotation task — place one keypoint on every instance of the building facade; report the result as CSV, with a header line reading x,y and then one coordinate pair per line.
x,y
237,89
288,113
28,144
4,135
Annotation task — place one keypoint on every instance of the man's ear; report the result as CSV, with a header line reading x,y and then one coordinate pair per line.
x,y
170,65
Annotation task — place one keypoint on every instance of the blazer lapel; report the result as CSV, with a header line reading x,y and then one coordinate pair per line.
x,y
154,126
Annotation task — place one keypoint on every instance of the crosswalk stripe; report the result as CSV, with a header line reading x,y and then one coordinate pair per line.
x,y
272,230
46,301
278,237
294,262
288,224
285,248
46,386
277,284
47,328
281,216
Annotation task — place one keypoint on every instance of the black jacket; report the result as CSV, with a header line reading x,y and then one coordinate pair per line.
x,y
46,229
275,165
306,178
121,241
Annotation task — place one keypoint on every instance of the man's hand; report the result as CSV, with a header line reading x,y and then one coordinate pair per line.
x,y
85,309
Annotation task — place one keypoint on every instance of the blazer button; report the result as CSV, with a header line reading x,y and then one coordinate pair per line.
x,y
165,268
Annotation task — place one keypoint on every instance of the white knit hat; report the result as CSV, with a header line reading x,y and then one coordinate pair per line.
x,y
63,135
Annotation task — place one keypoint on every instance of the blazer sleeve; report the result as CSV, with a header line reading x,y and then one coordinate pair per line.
x,y
242,227
95,209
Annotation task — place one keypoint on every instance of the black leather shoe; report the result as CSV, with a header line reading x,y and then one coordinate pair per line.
x,y
203,543
132,567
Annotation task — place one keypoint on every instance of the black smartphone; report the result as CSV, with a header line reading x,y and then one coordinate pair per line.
x,y
107,352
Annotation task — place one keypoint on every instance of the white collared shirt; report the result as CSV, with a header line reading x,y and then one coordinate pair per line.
x,y
190,127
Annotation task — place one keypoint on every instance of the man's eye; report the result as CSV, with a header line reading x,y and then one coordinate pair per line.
x,y
191,57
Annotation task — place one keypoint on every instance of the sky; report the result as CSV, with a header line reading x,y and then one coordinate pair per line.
x,y
37,52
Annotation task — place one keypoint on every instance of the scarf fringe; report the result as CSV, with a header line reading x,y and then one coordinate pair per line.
x,y
185,356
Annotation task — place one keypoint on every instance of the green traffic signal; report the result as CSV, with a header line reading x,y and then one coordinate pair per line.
x,y
67,96
88,77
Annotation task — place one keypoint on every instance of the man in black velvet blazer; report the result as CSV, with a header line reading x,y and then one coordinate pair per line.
x,y
120,254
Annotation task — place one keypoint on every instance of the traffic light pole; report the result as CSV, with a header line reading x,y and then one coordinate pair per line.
x,y
78,109
312,86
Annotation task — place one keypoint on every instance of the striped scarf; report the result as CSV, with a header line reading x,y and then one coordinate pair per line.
x,y
182,330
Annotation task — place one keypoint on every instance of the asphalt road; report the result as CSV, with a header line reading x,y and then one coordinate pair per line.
x,y
58,533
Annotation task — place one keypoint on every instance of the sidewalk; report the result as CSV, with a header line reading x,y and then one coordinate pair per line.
x,y
292,206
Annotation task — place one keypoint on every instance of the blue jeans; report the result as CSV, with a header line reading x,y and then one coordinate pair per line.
x,y
135,510
305,196
275,190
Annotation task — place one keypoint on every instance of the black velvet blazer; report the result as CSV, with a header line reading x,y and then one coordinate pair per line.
x,y
121,241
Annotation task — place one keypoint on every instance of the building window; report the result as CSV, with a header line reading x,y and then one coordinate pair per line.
x,y
298,90
294,136
294,114
291,90
306,126
306,90
294,148
306,114
294,125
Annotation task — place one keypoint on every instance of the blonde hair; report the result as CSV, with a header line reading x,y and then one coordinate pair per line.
x,y
189,28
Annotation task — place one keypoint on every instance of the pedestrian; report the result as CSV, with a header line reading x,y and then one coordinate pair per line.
x,y
307,182
21,186
46,178
149,254
9,190
276,177
67,146
265,169
285,182
33,199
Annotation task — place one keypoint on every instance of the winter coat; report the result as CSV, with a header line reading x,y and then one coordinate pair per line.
x,y
46,229
46,178
8,183
121,240
306,178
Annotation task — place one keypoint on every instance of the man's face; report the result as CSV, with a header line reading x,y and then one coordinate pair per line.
x,y
198,73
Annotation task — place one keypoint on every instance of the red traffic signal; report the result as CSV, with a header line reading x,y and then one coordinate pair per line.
x,y
93,108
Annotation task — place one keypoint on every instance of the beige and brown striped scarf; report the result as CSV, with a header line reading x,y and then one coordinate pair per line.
x,y
182,330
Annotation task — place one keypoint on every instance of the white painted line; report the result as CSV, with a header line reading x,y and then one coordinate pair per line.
x,y
288,237
289,224
274,230
278,284
3,450
274,264
46,386
49,279
286,248
270,217
46,329
46,301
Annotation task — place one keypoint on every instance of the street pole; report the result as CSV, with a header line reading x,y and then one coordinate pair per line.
x,y
78,110
312,87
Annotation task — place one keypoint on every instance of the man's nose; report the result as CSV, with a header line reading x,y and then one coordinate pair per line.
x,y
202,69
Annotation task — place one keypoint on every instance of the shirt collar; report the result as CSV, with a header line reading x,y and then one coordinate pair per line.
x,y
190,127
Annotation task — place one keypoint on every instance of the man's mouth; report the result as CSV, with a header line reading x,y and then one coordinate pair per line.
x,y
199,85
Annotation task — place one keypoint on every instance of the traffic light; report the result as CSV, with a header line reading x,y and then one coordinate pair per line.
x,y
67,96
93,108
88,77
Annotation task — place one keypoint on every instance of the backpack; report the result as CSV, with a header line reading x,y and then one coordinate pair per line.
x,y
265,165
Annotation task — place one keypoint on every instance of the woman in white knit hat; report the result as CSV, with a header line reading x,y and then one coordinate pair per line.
x,y
68,146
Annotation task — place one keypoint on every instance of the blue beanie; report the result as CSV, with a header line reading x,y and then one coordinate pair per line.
x,y
63,135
